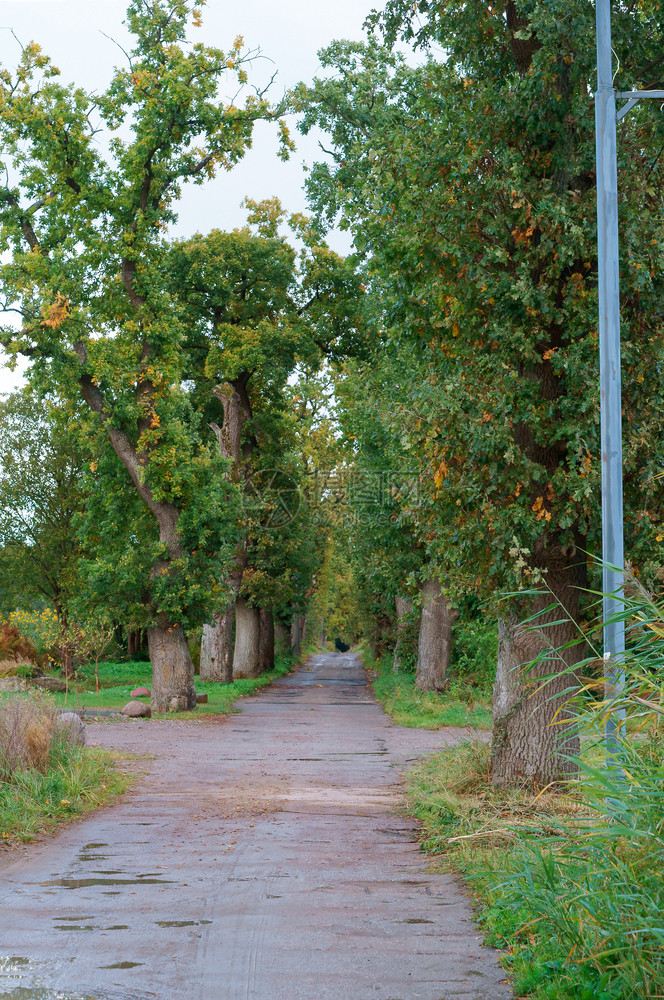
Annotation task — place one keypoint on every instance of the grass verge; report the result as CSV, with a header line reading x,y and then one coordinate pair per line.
x,y
461,705
117,681
473,828
78,779
569,890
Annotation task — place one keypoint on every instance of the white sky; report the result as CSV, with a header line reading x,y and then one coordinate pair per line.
x,y
288,32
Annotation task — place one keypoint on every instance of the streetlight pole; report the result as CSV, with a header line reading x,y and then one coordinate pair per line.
x,y
609,362
613,559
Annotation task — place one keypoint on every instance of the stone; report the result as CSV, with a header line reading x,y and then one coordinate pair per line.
x,y
70,725
178,704
13,684
54,684
140,692
201,699
137,710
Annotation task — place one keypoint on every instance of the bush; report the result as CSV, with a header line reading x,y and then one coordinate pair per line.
x,y
15,649
41,628
474,648
28,735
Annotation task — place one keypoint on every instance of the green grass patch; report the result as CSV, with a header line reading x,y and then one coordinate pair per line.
x,y
118,680
77,780
461,705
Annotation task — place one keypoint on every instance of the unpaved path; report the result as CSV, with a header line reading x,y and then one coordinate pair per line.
x,y
262,858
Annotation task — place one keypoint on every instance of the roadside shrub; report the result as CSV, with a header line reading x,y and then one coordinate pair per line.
x,y
41,628
474,648
15,649
27,734
409,632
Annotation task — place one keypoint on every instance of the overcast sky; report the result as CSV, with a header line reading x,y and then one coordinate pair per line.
x,y
288,32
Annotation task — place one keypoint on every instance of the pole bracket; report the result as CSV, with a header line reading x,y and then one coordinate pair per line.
x,y
633,97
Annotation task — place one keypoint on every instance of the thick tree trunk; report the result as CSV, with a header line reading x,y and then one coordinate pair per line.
x,y
295,637
172,669
266,640
303,629
217,648
531,742
247,640
403,608
433,652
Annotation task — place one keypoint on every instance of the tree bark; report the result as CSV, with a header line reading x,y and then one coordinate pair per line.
x,y
433,652
217,648
247,641
295,638
533,730
172,669
403,608
266,640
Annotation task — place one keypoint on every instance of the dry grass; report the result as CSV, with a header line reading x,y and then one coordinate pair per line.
x,y
27,734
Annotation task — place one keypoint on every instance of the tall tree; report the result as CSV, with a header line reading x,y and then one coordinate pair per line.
x,y
470,186
83,224
257,308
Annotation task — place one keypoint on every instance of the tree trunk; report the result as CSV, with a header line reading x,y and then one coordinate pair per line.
x,y
172,669
247,641
217,648
303,629
531,742
403,608
433,652
266,640
296,641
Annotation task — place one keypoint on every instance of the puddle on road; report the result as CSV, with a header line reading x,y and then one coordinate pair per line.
x,y
122,965
85,883
75,927
78,918
413,920
181,923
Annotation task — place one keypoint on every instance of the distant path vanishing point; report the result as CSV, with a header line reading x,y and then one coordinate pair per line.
x,y
263,857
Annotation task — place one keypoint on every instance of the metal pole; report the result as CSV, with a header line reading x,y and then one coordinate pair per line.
x,y
609,363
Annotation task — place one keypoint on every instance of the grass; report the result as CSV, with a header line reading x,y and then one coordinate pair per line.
x,y
568,881
46,777
76,782
461,705
118,680
484,833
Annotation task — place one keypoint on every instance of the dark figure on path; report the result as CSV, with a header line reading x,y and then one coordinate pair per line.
x,y
341,646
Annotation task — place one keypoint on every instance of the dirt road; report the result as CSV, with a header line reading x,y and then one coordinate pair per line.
x,y
261,858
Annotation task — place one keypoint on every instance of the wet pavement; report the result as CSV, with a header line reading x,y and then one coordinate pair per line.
x,y
263,857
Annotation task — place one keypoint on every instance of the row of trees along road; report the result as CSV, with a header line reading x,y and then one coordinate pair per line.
x,y
193,372
468,183
148,342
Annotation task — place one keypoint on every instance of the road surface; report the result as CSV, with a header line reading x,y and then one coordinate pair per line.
x,y
261,857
